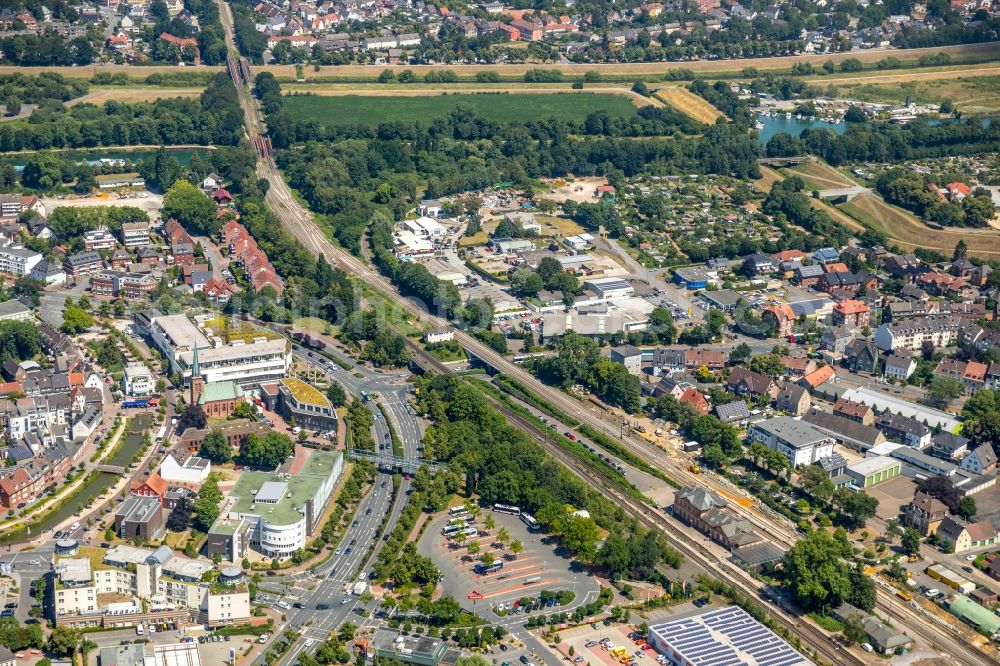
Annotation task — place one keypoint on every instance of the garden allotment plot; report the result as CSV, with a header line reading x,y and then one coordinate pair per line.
x,y
499,107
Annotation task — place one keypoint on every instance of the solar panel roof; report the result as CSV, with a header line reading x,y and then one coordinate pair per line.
x,y
723,636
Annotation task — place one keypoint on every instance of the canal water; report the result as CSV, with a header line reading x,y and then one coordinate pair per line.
x,y
183,155
793,126
100,482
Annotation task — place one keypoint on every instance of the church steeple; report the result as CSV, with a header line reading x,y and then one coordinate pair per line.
x,y
197,381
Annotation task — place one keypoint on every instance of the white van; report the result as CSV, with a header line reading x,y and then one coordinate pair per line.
x,y
867,647
284,604
138,630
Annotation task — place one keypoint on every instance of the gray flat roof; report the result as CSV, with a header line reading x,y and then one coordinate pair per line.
x,y
271,491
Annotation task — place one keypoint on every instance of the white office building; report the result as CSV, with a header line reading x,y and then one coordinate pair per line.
x,y
245,361
18,260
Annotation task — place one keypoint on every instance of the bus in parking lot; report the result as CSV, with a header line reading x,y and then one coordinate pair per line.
x,y
483,569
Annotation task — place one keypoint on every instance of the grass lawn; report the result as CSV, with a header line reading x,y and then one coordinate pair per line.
x,y
504,108
970,93
314,324
820,176
909,232
398,318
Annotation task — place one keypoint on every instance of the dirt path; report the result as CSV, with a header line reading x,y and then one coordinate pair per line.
x,y
967,71
133,95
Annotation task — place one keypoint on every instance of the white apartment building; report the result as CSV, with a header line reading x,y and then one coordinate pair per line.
x,y
910,335
135,234
160,581
138,381
99,239
799,441
18,260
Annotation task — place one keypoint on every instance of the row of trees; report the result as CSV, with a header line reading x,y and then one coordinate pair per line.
x,y
911,190
502,464
214,118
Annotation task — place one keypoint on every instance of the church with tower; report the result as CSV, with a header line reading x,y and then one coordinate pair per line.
x,y
217,399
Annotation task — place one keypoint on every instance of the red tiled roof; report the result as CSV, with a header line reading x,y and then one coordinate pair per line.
x,y
818,376
154,482
850,307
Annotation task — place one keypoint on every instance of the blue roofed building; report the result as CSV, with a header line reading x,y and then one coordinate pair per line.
x,y
826,255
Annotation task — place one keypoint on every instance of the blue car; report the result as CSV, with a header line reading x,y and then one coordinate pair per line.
x,y
347,552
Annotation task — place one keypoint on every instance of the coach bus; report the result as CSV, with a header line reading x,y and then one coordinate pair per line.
x,y
507,508
530,521
483,569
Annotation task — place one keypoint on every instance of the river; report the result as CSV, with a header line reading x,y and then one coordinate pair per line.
x,y
97,484
183,155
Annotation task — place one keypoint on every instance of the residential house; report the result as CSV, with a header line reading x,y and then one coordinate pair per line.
x,y
925,514
899,367
152,486
949,446
713,361
781,318
836,338
851,313
797,366
793,399
855,411
980,460
904,429
959,536
817,377
733,412
747,383
629,356
860,355
696,399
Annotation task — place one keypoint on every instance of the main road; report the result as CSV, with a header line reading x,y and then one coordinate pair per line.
x,y
317,611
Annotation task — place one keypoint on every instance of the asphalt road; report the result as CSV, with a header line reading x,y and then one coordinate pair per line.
x,y
377,515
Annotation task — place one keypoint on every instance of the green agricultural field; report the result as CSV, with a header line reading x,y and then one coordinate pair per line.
x,y
502,108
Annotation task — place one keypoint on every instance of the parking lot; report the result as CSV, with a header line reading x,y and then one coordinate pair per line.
x,y
538,567
892,495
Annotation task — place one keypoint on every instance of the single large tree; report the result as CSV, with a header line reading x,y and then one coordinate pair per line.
x,y
188,205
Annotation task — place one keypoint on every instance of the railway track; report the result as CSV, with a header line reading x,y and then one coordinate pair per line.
x,y
823,644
